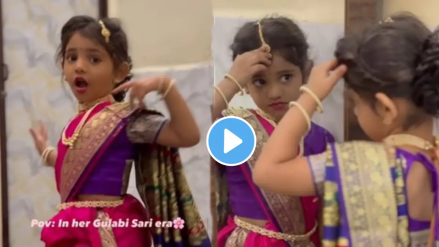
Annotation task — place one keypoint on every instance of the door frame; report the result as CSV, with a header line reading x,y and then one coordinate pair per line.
x,y
103,12
359,14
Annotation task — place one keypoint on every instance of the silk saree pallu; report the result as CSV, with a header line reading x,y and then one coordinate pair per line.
x,y
163,187
365,200
284,213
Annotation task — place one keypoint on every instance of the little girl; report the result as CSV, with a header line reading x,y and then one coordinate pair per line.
x,y
270,63
96,149
381,193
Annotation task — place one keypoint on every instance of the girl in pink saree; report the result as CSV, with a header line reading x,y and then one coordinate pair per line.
x,y
382,193
97,148
271,73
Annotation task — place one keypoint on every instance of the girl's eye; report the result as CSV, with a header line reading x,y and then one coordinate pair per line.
x,y
286,78
71,58
259,82
95,60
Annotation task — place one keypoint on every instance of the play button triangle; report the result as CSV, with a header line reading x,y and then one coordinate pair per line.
x,y
231,141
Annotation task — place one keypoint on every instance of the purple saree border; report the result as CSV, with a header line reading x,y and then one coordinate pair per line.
x,y
344,230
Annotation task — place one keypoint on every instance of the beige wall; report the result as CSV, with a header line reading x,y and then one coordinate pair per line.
x,y
321,11
427,10
166,32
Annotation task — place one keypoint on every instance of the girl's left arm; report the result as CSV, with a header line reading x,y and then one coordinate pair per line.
x,y
181,130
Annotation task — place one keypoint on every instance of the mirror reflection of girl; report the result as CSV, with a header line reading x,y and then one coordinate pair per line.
x,y
375,193
92,159
270,64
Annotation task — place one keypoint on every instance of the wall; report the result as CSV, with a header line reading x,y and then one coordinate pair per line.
x,y
176,41
168,32
319,11
34,87
425,10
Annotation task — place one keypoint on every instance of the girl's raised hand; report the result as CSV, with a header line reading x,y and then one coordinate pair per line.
x,y
140,88
39,134
324,77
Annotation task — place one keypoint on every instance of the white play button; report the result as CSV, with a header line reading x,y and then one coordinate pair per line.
x,y
231,141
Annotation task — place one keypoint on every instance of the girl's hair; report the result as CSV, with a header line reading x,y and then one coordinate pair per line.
x,y
398,57
89,27
280,33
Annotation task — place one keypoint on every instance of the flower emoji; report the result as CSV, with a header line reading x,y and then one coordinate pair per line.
x,y
178,223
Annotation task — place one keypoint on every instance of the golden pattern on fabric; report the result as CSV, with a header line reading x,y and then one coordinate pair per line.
x,y
163,187
399,184
94,133
106,232
90,204
287,209
366,183
237,238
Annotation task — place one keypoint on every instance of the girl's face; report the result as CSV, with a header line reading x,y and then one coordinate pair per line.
x,y
88,69
273,89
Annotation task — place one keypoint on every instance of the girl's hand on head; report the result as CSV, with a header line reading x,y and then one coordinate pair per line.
x,y
249,64
39,134
140,88
324,77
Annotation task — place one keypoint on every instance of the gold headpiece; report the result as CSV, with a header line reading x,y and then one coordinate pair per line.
x,y
105,32
261,36
388,20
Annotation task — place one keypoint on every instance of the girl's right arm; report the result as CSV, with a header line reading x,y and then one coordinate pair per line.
x,y
243,69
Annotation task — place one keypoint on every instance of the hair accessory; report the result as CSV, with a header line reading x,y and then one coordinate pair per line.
x,y
314,96
232,79
105,32
388,20
261,36
217,89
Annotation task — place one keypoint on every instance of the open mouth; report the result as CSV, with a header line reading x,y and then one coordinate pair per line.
x,y
81,83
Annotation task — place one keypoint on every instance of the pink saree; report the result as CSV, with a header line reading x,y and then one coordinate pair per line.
x,y
80,227
160,181
292,215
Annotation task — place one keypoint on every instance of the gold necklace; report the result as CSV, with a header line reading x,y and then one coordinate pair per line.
x,y
70,142
406,139
274,123
86,106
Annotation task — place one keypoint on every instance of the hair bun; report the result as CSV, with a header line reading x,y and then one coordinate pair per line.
x,y
426,82
346,51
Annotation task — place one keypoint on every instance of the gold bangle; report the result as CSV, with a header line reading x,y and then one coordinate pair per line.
x,y
314,96
46,153
230,78
305,114
171,84
217,89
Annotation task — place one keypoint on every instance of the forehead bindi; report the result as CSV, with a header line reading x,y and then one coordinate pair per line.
x,y
79,43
